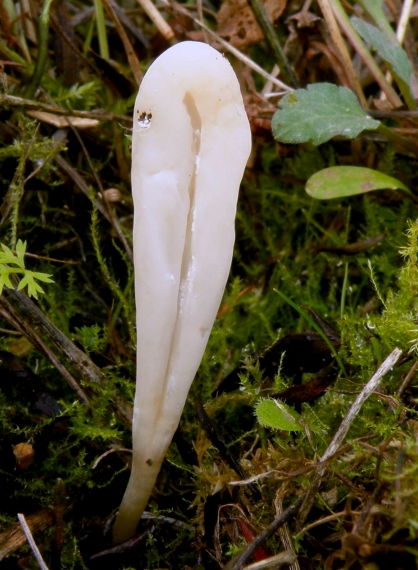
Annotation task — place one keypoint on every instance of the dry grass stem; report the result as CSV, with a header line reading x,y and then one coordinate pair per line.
x,y
154,15
368,389
341,46
32,543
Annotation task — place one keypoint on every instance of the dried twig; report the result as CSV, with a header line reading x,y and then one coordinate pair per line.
x,y
175,523
154,15
238,561
274,562
403,20
80,362
407,380
13,101
341,432
111,216
127,22
32,543
124,546
324,520
239,55
272,39
400,33
51,259
199,6
341,47
129,50
10,315
80,183
363,52
284,530
370,387
14,538
108,452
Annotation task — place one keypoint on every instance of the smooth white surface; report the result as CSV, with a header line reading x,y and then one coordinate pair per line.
x,y
191,141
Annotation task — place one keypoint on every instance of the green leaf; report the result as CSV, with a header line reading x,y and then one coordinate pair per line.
x,y
7,256
275,414
390,51
319,113
33,287
20,250
375,9
5,279
342,181
44,277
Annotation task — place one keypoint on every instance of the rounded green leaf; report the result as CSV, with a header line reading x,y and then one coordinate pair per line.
x,y
318,113
342,181
275,414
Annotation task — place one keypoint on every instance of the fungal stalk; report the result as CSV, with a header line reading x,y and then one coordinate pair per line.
x,y
191,141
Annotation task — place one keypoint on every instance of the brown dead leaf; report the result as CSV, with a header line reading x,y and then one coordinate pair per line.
x,y
60,122
304,19
382,104
259,114
301,26
24,454
237,24
18,346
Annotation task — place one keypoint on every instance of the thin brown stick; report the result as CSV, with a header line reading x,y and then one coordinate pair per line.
x,y
341,47
238,561
129,50
407,380
341,432
80,362
273,41
358,44
80,183
154,15
111,216
117,450
8,313
324,520
284,530
404,20
13,333
275,562
199,6
368,389
51,259
13,101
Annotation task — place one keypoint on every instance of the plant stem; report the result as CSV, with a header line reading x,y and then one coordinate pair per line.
x,y
43,50
358,45
344,290
313,324
341,47
397,139
272,40
101,29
